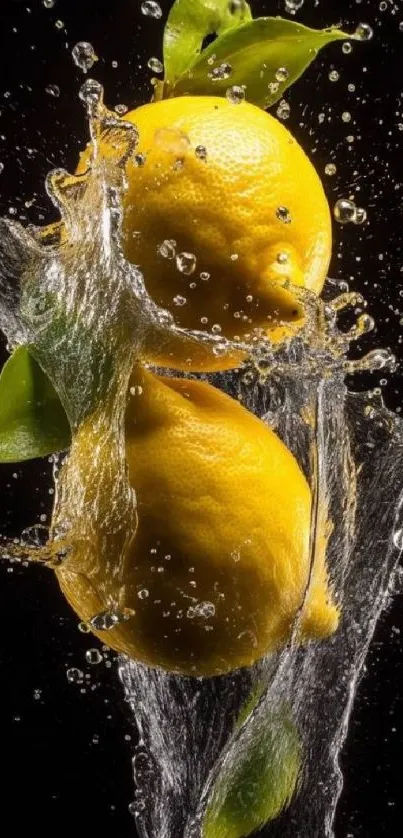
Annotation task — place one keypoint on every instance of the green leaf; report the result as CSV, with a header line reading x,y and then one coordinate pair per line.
x,y
189,22
256,52
257,782
32,420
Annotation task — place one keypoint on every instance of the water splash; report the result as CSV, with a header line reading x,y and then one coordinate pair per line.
x,y
194,733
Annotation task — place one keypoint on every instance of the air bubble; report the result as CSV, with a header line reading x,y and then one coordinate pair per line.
x,y
398,539
167,249
151,9
273,87
143,593
49,4
155,65
93,656
84,56
235,94
106,620
282,74
186,263
140,160
205,276
346,116
84,628
347,48
74,675
330,169
345,211
223,71
91,92
202,609
360,216
281,258
292,6
283,110
121,109
59,24
179,300
363,32
334,75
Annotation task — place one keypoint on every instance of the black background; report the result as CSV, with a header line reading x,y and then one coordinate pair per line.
x,y
66,747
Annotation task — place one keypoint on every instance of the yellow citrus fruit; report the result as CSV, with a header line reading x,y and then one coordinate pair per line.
x,y
223,210
219,564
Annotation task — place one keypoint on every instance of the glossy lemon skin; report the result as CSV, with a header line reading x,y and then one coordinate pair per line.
x,y
231,186
219,564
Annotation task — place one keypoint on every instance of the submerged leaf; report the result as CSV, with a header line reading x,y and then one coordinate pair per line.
x,y
257,782
189,22
32,420
265,55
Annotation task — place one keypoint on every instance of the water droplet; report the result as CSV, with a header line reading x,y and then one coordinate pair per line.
x,y
167,249
84,56
201,152
273,87
360,216
205,276
179,300
334,75
106,620
223,71
155,65
53,90
235,94
140,159
344,211
292,6
84,628
282,258
282,74
351,87
121,109
202,609
93,656
383,6
186,263
283,110
91,92
151,9
48,4
330,169
346,116
143,593
347,48
283,214
74,675
59,24
364,32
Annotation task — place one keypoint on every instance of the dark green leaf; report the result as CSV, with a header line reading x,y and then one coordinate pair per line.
x,y
265,55
189,22
32,420
258,779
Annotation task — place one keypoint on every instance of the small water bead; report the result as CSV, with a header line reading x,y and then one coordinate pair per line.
x,y
179,300
360,216
283,214
59,24
273,87
223,71
93,656
84,628
167,249
281,258
235,94
121,109
282,74
140,160
108,619
91,92
202,609
151,9
84,55
351,87
330,169
383,6
186,263
74,675
201,152
53,90
155,65
346,116
283,110
344,211
334,75
364,32
49,4
205,276
143,593
292,6
347,48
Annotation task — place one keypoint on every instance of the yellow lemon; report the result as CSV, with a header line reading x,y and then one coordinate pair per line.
x,y
219,564
223,211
